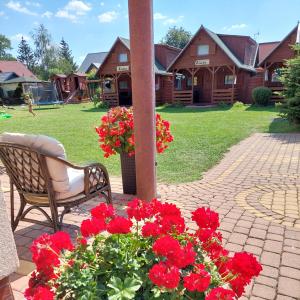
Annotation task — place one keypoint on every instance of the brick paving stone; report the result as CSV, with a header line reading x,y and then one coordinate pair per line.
x,y
238,238
289,287
264,291
270,259
253,249
269,271
282,297
291,260
273,246
255,242
258,233
266,281
290,272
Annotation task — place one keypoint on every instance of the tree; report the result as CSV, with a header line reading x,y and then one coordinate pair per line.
x,y
46,54
177,37
290,78
66,54
5,45
26,55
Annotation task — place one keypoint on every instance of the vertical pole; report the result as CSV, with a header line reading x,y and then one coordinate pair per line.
x,y
212,84
143,92
232,88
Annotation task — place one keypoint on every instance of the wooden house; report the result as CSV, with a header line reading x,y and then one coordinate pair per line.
x,y
61,84
272,57
78,88
115,73
213,67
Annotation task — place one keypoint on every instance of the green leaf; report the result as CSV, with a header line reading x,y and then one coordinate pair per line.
x,y
123,290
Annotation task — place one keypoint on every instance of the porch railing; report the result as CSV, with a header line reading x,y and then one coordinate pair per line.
x,y
184,97
275,90
111,99
224,95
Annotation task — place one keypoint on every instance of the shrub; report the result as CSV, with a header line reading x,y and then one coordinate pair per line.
x,y
148,255
261,95
238,104
116,132
290,110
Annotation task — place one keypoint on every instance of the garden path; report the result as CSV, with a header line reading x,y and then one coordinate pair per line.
x,y
256,191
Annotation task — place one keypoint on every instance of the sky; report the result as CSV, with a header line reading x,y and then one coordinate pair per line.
x,y
93,25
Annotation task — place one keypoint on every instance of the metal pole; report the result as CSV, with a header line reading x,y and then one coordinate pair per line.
x,y
143,92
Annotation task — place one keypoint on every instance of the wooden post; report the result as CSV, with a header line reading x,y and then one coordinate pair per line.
x,y
232,88
193,74
143,92
212,84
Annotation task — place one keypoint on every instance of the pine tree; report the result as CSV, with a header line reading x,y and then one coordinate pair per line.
x,y
25,54
66,54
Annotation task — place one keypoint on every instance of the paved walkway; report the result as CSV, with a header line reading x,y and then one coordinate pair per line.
x,y
255,189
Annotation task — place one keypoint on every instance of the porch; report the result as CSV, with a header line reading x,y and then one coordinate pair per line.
x,y
271,80
205,85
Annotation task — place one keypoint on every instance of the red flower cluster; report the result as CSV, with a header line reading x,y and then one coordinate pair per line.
x,y
116,132
184,262
45,254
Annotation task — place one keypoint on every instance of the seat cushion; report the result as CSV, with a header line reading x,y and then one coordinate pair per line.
x,y
76,184
57,170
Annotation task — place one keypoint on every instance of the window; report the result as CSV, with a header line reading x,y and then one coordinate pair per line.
x,y
178,84
123,85
109,85
123,57
189,81
275,75
266,75
230,79
203,50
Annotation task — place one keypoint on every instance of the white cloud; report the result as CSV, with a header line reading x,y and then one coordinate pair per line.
x,y
66,15
31,3
73,10
79,7
235,27
108,17
102,3
47,14
18,37
119,5
16,6
159,16
172,21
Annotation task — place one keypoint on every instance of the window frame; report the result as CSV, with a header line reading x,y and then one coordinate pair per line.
x,y
232,81
123,87
198,49
122,55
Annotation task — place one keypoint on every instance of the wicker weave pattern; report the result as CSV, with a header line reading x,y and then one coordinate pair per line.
x,y
28,171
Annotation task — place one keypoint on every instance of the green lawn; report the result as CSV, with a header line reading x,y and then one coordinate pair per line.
x,y
201,136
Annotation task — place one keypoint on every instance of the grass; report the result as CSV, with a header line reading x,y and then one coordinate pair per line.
x,y
201,136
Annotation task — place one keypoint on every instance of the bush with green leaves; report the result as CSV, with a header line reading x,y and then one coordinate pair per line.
x,y
290,79
261,95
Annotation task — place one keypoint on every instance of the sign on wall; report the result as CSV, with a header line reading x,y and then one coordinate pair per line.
x,y
122,68
201,62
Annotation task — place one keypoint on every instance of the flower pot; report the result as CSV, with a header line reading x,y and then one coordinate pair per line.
x,y
128,173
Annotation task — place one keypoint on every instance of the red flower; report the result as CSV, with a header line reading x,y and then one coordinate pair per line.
x,y
164,275
197,281
103,211
92,227
166,246
220,293
172,224
206,218
119,225
39,293
185,257
139,209
238,284
150,229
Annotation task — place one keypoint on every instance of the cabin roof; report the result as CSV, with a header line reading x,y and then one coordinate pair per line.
x,y
297,27
22,79
15,66
217,39
265,48
158,68
97,57
6,76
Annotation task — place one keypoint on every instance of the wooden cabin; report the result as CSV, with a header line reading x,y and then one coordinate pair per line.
x,y
115,73
213,68
61,83
78,88
272,57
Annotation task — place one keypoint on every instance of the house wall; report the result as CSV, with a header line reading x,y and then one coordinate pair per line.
x,y
112,60
216,55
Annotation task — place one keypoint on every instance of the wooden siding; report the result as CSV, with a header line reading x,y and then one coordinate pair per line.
x,y
165,54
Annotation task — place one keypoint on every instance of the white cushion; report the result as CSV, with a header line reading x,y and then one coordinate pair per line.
x,y
57,170
76,184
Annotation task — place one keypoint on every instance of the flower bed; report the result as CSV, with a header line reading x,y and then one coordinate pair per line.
x,y
116,132
148,255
